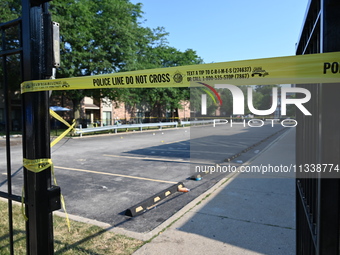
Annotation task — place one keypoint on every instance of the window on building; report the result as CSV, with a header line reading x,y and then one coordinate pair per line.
x,y
107,118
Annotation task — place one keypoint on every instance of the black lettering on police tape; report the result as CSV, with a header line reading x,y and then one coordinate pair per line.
x,y
242,69
159,78
141,79
242,76
118,81
129,79
334,67
189,79
101,82
197,72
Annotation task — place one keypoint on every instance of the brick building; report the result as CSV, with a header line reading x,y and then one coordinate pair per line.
x,y
104,112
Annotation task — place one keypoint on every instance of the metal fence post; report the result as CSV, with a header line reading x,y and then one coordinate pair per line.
x,y
8,142
318,141
36,130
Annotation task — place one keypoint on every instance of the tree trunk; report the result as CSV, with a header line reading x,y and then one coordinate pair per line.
x,y
175,115
77,113
156,112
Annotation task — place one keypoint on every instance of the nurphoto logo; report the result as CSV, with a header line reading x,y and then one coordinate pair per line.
x,y
281,100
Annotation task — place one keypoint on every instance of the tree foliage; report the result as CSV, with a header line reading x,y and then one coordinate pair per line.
x,y
264,100
105,36
11,10
161,99
97,36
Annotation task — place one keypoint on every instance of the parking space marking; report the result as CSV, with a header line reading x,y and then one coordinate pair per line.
x,y
111,174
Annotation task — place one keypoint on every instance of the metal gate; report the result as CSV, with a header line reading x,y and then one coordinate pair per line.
x,y
11,52
318,140
27,43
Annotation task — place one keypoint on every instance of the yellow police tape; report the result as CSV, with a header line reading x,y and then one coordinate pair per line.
x,y
310,68
37,166
70,127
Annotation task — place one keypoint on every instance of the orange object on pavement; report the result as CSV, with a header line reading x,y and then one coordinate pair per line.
x,y
183,189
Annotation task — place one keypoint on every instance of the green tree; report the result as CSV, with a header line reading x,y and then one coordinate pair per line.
x,y
227,99
263,96
291,109
97,36
161,99
227,105
10,10
264,102
104,36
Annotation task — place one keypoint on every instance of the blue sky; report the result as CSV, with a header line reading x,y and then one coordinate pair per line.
x,y
226,30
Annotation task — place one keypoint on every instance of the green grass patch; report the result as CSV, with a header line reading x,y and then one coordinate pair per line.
x,y
84,239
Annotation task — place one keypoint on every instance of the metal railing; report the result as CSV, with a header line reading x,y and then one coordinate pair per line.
x,y
141,126
80,131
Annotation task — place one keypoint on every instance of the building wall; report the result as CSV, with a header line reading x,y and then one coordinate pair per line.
x,y
120,112
184,113
106,112
62,101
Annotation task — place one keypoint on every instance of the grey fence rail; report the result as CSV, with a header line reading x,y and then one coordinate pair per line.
x,y
141,126
80,131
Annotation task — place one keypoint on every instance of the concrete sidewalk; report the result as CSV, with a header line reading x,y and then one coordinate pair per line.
x,y
248,214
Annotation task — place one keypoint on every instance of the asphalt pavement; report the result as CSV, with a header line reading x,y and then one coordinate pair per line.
x,y
250,213
103,175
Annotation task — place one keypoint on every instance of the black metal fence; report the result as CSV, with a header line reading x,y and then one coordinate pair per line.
x,y
10,54
26,52
318,140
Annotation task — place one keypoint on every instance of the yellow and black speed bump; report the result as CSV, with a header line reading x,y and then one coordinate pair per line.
x,y
153,200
